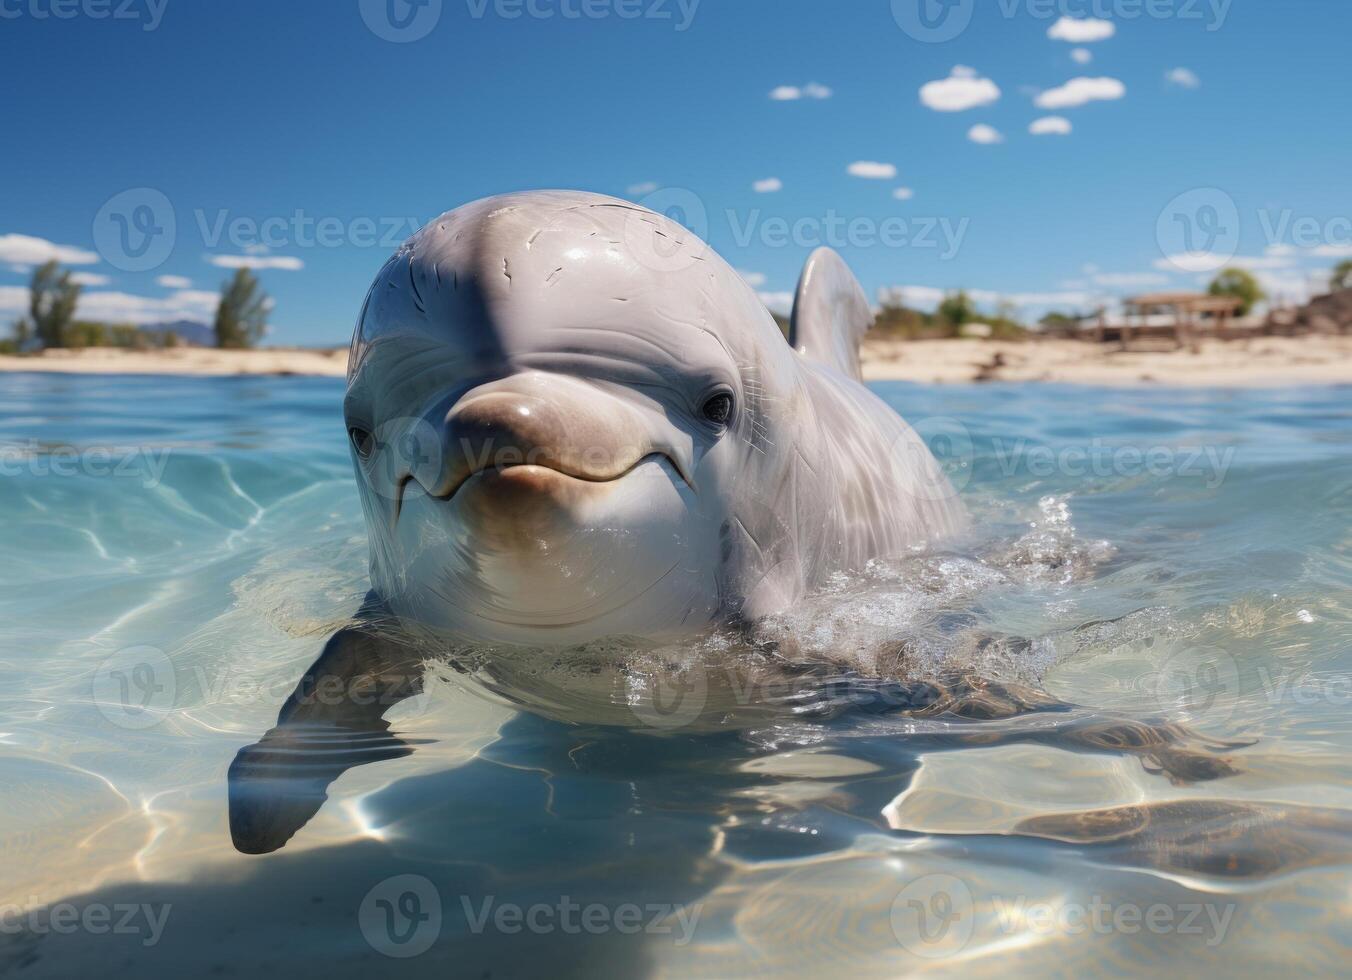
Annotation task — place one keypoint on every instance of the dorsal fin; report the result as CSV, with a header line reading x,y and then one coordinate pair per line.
x,y
831,313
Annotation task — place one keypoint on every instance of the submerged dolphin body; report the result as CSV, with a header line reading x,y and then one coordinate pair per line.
x,y
571,420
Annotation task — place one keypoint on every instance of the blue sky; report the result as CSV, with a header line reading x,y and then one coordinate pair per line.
x,y
248,123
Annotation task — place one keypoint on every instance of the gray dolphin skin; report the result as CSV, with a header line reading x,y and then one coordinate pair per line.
x,y
571,420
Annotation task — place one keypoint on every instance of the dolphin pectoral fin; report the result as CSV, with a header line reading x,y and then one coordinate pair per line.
x,y
333,721
831,313
281,781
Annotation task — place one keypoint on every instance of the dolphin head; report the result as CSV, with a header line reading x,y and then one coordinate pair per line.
x,y
553,399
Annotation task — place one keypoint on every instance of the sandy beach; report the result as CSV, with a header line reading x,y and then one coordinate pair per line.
x,y
1259,361
1251,362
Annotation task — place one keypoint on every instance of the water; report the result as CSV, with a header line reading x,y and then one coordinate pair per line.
x,y
175,551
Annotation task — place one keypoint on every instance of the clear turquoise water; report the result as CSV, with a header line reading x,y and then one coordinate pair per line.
x,y
192,542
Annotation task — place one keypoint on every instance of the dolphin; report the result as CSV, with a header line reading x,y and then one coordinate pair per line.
x,y
571,420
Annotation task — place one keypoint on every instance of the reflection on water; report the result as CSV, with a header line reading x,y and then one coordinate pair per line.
x,y
1107,735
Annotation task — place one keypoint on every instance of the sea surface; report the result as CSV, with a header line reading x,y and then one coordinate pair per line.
x,y
1135,756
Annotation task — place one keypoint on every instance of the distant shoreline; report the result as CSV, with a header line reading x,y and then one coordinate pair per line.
x,y
1255,362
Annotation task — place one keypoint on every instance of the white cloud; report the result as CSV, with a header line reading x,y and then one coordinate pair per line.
x,y
916,297
1082,56
963,89
114,307
25,250
872,170
1051,126
13,299
1182,77
1332,251
1214,262
781,303
1081,30
1290,287
174,282
1264,262
638,190
753,279
792,93
981,133
284,262
1129,280
928,297
89,279
1078,91
768,186
1192,262
903,193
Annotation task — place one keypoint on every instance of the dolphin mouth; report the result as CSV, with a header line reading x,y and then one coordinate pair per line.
x,y
479,470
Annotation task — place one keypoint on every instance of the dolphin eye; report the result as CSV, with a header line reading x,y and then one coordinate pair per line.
x,y
718,409
362,440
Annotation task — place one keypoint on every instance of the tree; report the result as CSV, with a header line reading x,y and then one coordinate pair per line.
x,y
1240,284
242,316
52,298
1342,276
957,309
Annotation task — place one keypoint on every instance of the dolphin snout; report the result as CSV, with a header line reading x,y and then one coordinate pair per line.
x,y
554,424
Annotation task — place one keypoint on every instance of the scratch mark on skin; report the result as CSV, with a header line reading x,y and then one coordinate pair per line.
x,y
552,277
760,552
413,283
530,242
506,270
